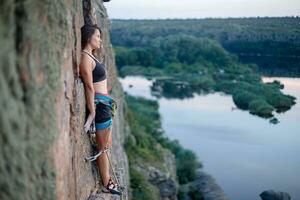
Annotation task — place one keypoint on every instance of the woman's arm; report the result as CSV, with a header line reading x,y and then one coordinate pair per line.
x,y
86,68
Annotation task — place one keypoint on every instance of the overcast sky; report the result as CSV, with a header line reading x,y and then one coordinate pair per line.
x,y
154,9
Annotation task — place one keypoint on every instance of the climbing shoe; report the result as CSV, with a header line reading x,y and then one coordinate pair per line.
x,y
112,188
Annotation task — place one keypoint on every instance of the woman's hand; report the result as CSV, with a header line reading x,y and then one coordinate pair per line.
x,y
89,121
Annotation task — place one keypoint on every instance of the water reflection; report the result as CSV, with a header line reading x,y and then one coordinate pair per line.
x,y
169,88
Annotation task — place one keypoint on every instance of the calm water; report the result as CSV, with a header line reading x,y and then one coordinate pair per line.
x,y
244,153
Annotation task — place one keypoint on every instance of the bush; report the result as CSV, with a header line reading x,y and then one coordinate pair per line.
x,y
242,98
261,108
186,163
173,68
194,193
138,116
281,102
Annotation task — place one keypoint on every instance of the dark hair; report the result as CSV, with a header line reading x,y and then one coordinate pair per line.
x,y
87,31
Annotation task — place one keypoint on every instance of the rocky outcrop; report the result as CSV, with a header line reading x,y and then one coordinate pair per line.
x,y
43,105
274,195
166,181
166,185
162,176
207,186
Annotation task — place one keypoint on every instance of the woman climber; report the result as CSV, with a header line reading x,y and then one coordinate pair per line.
x,y
100,105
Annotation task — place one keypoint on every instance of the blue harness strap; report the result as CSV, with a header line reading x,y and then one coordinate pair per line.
x,y
111,103
104,125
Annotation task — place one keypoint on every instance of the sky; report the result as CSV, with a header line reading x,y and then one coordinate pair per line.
x,y
162,9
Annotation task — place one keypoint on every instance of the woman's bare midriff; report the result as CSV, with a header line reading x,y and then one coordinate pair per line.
x,y
101,87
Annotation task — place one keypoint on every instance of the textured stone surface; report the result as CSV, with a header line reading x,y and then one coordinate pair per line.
x,y
104,196
162,177
166,185
43,105
80,179
274,195
36,41
207,185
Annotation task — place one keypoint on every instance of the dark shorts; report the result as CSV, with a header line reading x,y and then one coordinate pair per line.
x,y
104,105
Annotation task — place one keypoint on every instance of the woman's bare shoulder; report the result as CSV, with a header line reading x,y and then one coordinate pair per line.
x,y
86,58
86,62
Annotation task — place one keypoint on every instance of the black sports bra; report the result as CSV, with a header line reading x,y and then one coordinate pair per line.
x,y
99,72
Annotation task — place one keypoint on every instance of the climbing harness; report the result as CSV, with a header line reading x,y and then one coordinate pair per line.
x,y
112,105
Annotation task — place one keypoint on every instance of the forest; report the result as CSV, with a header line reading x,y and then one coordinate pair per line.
x,y
273,43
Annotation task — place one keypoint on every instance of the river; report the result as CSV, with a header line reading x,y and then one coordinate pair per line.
x,y
244,153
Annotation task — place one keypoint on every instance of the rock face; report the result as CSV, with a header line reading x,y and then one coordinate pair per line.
x,y
86,177
43,103
166,185
273,195
207,185
163,178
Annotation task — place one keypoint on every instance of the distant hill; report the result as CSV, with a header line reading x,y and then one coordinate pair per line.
x,y
271,42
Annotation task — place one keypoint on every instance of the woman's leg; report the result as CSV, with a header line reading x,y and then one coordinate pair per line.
x,y
102,137
110,140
